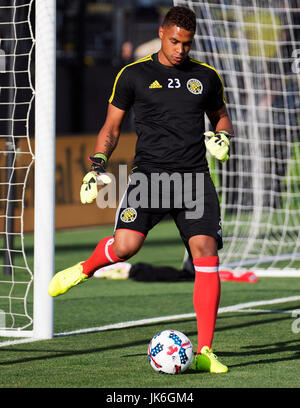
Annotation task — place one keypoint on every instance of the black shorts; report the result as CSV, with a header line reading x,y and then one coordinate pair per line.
x,y
189,198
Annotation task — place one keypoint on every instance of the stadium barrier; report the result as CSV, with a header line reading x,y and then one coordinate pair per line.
x,y
72,163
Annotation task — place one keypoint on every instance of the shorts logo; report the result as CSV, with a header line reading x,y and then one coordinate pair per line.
x,y
219,232
194,86
128,215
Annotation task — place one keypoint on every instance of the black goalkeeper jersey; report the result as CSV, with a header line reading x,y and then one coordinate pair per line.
x,y
169,105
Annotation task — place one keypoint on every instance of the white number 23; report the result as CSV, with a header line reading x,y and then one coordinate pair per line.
x,y
174,83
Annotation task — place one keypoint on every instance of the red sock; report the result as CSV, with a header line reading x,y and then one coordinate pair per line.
x,y
103,255
206,298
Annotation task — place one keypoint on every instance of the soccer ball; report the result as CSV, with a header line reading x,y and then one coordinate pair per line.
x,y
170,352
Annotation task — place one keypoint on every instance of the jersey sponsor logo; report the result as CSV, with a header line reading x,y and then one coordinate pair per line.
x,y
128,215
155,85
194,86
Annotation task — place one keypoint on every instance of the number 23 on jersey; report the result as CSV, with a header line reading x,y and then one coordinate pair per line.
x,y
174,83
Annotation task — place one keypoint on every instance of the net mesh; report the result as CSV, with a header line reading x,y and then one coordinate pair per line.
x,y
16,159
255,46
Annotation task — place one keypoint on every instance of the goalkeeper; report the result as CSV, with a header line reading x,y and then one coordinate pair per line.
x,y
170,93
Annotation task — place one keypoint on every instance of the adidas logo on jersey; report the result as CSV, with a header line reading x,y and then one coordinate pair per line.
x,y
155,84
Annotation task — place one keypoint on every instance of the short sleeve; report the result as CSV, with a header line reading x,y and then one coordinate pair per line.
x,y
216,99
123,93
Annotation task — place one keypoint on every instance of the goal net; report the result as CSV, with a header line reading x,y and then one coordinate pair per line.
x,y
255,47
26,117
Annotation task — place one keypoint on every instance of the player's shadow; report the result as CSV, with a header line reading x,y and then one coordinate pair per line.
x,y
64,353
266,350
254,352
251,351
270,319
269,349
51,354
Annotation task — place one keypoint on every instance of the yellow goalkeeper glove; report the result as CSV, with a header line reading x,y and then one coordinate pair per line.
x,y
89,190
217,143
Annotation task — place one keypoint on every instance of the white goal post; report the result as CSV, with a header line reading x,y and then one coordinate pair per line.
x,y
255,47
28,61
44,202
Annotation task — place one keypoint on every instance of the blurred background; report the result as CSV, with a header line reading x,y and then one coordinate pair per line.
x,y
95,38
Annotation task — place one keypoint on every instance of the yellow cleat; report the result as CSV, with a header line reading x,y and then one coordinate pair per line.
x,y
66,279
208,361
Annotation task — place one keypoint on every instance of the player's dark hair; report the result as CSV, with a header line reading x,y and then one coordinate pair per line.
x,y
182,17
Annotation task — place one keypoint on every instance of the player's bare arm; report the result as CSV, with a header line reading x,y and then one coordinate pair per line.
x,y
220,120
108,136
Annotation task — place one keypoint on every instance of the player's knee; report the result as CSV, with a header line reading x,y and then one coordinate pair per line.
x,y
203,246
127,245
125,251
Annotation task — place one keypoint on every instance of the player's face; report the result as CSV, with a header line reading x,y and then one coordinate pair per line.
x,y
176,43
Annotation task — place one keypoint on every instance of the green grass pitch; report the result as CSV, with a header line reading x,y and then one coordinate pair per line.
x,y
261,349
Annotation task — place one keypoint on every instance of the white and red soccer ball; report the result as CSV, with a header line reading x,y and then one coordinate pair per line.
x,y
170,352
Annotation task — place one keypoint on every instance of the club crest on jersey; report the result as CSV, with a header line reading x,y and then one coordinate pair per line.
x,y
128,215
194,86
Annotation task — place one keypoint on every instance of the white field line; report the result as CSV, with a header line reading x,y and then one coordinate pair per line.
x,y
240,307
250,310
